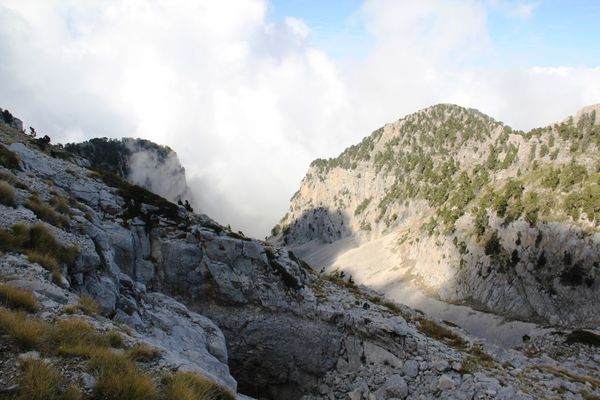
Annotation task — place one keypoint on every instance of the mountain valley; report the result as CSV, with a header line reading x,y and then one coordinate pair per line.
x,y
110,290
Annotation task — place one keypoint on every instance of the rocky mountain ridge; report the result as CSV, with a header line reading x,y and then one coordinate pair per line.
x,y
160,291
486,215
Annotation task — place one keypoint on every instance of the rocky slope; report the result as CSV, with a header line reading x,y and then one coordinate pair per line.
x,y
242,315
481,214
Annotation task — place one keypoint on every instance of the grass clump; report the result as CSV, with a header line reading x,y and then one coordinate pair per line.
x,y
47,261
8,159
439,332
88,305
41,247
46,213
117,378
13,180
191,386
17,298
60,204
26,332
7,194
143,353
40,381
78,338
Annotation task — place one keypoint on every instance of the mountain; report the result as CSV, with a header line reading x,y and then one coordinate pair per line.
x,y
110,291
141,162
473,211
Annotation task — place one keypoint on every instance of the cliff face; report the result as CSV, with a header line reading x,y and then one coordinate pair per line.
x,y
242,313
502,219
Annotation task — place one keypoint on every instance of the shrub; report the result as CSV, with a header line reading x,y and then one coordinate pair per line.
x,y
17,298
191,386
493,245
362,206
27,333
7,194
584,337
39,381
143,353
117,378
8,159
7,117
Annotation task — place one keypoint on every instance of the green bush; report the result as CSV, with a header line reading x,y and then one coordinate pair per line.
x,y
493,246
362,206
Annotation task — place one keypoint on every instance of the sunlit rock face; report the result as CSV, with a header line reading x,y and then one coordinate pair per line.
x,y
501,219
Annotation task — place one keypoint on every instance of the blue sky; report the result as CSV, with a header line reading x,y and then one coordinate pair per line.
x,y
556,32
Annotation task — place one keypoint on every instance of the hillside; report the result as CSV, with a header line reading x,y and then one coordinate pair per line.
x,y
480,214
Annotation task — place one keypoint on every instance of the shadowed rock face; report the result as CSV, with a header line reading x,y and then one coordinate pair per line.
x,y
501,219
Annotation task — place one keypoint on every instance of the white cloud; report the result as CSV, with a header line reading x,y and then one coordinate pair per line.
x,y
248,103
524,10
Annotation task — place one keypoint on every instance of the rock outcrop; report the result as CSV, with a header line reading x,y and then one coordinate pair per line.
x,y
484,215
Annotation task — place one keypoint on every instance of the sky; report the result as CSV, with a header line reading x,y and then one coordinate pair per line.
x,y
249,92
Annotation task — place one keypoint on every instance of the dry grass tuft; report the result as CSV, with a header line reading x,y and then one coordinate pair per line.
x,y
143,353
27,333
9,159
439,332
117,378
40,246
191,386
48,262
78,338
88,305
8,196
60,204
46,213
17,298
39,381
